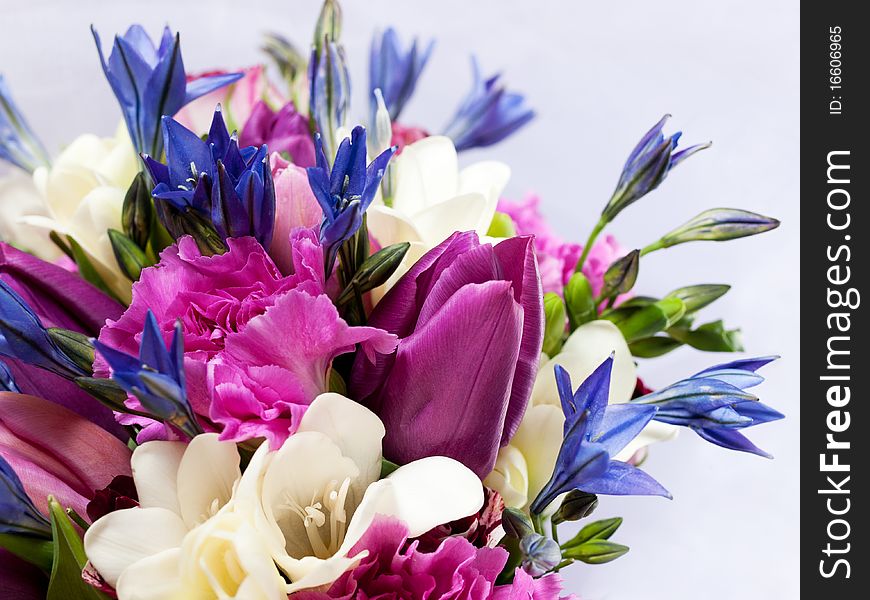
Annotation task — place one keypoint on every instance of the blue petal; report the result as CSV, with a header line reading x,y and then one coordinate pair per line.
x,y
621,424
204,85
622,479
731,439
188,155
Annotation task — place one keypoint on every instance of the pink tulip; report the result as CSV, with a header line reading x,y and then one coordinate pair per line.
x,y
295,206
55,451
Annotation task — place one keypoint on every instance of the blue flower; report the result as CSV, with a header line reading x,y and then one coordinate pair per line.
x,y
647,166
594,432
23,336
715,405
394,70
149,82
489,113
329,97
345,191
156,377
18,144
18,515
229,186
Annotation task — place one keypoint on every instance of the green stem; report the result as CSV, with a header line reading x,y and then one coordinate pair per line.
x,y
593,235
652,247
563,564
554,531
538,524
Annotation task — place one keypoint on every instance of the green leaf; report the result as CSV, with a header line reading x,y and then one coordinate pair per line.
x,y
86,268
579,301
653,347
32,549
648,321
76,346
374,271
554,330
621,276
710,337
130,258
69,559
502,226
696,297
599,530
387,467
596,552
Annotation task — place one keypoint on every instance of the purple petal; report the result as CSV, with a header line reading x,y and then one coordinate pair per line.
x,y
448,389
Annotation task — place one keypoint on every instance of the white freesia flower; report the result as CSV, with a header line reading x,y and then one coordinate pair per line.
x,y
19,197
222,558
313,498
432,198
180,486
524,466
84,193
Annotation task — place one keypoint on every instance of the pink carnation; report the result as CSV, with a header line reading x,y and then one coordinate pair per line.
x,y
557,258
456,569
251,371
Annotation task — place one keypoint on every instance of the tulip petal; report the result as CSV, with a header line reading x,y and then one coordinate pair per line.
x,y
155,473
82,455
422,494
517,258
356,430
123,537
452,378
389,226
20,579
207,475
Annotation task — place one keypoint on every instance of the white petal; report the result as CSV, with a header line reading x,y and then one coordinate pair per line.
x,y
426,173
583,352
460,213
510,477
423,494
312,572
357,431
488,178
389,226
539,438
652,433
206,476
153,578
121,538
155,472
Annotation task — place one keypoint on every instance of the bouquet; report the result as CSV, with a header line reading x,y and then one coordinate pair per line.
x,y
252,349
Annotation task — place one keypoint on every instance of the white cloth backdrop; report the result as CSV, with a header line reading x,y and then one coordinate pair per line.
x,y
599,74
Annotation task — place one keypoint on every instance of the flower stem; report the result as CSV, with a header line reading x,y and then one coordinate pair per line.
x,y
593,235
658,245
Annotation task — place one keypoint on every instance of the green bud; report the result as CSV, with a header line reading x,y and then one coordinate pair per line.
x,y
208,240
719,225
137,212
106,391
599,530
516,523
554,330
87,270
128,255
76,346
638,302
653,347
287,58
502,226
576,505
650,320
595,552
579,301
621,276
696,297
374,271
328,24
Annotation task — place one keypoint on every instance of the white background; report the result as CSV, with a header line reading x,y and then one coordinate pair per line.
x,y
599,74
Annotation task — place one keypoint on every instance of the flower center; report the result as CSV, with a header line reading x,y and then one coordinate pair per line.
x,y
323,516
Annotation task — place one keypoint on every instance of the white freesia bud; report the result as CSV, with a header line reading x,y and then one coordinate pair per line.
x,y
84,193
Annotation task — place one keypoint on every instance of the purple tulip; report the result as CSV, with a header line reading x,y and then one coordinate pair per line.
x,y
470,321
60,299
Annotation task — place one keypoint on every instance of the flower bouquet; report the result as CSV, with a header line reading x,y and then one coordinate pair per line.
x,y
251,350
